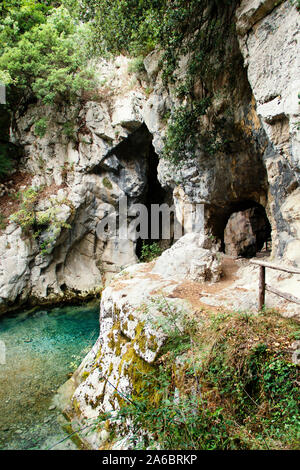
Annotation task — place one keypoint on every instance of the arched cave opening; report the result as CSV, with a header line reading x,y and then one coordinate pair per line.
x,y
242,227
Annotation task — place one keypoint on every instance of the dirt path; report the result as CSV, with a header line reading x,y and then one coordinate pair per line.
x,y
238,289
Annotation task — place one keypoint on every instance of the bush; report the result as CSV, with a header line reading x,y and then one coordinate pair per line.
x,y
26,217
44,226
181,138
137,65
40,54
150,252
40,127
130,26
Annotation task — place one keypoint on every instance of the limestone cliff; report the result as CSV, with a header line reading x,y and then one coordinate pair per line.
x,y
106,146
102,148
262,167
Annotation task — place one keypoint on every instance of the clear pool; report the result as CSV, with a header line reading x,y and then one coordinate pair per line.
x,y
42,348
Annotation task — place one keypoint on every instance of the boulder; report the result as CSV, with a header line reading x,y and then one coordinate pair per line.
x,y
186,259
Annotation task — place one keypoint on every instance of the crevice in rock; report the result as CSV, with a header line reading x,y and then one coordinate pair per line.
x,y
132,165
155,194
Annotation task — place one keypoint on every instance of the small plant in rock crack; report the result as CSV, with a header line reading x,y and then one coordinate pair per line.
x,y
150,252
137,65
26,217
174,320
40,127
43,226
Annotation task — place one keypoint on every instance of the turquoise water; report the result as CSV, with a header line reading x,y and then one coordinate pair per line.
x,y
43,347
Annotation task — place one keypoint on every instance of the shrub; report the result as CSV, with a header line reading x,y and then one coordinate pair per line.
x,y
40,127
40,54
136,65
44,226
150,252
181,139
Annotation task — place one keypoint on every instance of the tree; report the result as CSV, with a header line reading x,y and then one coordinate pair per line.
x,y
39,51
127,26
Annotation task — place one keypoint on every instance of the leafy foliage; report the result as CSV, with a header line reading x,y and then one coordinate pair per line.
x,y
40,127
26,217
39,53
40,57
230,387
44,226
137,65
182,131
150,252
129,26
194,29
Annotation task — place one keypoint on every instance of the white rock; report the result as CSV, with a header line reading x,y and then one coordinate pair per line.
x,y
187,260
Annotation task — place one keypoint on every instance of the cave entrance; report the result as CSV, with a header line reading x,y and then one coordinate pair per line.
x,y
243,228
133,166
154,194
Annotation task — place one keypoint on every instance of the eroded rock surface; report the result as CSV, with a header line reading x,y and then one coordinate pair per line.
x,y
130,340
263,167
187,259
97,152
269,40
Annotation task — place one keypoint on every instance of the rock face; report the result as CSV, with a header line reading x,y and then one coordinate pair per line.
x,y
130,339
96,154
261,169
268,34
99,151
246,232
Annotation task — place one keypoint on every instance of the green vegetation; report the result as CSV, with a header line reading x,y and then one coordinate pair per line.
x,y
223,381
40,58
179,28
39,53
150,252
68,129
107,183
130,26
2,222
182,131
44,226
200,31
40,127
137,65
26,216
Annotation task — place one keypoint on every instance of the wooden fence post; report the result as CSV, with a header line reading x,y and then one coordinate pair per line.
x,y
262,287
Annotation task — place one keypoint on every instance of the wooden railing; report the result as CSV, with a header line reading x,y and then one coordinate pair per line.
x,y
263,287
